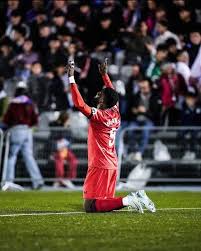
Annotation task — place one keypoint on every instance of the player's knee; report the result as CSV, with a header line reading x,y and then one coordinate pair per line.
x,y
89,206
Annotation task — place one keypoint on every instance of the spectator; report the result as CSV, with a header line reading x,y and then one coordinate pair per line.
x,y
65,37
58,21
18,38
36,5
196,69
136,45
71,51
62,30
161,13
173,88
182,65
132,87
149,14
112,9
131,15
16,21
6,56
3,99
144,111
12,5
185,22
59,99
194,44
84,22
164,34
106,34
54,54
40,18
38,86
190,117
63,153
61,73
20,116
172,50
44,37
154,68
61,5
28,56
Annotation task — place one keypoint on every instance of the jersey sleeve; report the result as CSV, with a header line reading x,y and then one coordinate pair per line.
x,y
79,102
107,81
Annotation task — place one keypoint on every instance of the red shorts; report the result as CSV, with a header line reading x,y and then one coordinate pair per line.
x,y
100,183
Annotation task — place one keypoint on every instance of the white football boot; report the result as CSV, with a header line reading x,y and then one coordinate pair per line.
x,y
10,186
145,201
134,203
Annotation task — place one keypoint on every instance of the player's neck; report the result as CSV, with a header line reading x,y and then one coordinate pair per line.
x,y
101,106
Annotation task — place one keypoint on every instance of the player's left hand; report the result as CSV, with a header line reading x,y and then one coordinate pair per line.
x,y
70,68
103,67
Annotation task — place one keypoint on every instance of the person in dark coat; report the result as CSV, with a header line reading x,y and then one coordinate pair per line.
x,y
144,112
38,86
190,117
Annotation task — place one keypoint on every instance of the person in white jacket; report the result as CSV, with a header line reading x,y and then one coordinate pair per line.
x,y
196,70
164,34
182,66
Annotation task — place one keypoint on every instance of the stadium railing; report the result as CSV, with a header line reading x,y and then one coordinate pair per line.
x,y
172,169
175,170
1,145
4,158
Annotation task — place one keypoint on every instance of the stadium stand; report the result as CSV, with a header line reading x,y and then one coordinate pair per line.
x,y
154,41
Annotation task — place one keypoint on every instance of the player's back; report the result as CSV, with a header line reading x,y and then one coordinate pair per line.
x,y
101,138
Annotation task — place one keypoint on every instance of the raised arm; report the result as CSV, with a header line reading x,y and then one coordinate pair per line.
x,y
76,96
103,71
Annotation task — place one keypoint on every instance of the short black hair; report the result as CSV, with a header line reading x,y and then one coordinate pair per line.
x,y
180,52
162,47
147,79
16,13
21,30
111,97
164,23
59,13
196,28
170,41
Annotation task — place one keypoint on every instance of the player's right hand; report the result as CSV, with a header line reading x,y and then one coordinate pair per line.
x,y
103,67
70,68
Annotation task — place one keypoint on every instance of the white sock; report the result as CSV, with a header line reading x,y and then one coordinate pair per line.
x,y
125,201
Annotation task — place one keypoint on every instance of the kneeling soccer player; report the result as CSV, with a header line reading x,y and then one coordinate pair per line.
x,y
104,120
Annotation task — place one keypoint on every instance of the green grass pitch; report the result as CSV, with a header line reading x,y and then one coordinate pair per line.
x,y
173,229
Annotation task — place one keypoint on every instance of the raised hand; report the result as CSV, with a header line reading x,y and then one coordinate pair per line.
x,y
103,67
70,68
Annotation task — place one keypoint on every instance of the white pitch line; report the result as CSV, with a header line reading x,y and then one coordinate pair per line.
x,y
41,214
81,212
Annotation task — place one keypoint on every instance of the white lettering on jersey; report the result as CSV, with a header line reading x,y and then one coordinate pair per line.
x,y
112,121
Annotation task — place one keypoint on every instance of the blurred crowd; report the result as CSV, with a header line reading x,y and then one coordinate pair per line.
x,y
153,47
154,51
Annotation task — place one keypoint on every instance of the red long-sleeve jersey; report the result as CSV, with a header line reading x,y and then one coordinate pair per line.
x,y
102,130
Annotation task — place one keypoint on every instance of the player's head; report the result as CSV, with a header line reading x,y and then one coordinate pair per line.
x,y
106,98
